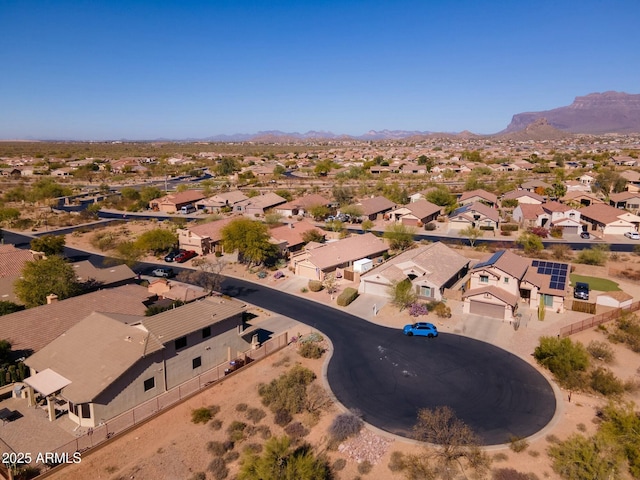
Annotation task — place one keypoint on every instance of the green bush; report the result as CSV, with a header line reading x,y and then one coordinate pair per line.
x,y
201,415
315,285
310,350
486,228
605,382
255,415
565,359
596,255
288,391
518,444
442,310
509,227
347,296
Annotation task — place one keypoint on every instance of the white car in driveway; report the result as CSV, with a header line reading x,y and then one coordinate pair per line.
x,y
632,235
163,272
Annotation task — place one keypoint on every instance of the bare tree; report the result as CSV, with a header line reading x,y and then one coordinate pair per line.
x,y
208,276
330,283
458,446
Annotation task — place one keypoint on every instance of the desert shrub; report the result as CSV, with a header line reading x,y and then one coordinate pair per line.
x,y
442,310
216,424
534,453
241,407
317,400
581,427
348,295
556,232
282,417
231,456
580,457
508,227
596,255
539,231
600,351
236,430
509,474
296,431
500,457
201,415
339,464
253,448
304,290
198,476
418,309
344,426
486,228
605,382
627,331
518,444
565,359
364,467
396,462
264,431
228,445
315,285
310,350
218,468
255,415
216,448
104,240
288,391
429,227
561,251
552,438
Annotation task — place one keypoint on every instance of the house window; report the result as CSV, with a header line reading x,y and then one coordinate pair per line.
x,y
206,332
484,278
181,343
547,300
149,383
196,362
506,279
425,291
85,411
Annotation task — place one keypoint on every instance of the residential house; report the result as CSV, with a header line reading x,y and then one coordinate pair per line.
x,y
257,206
609,220
375,207
109,277
528,214
173,202
30,330
478,196
587,179
578,198
477,215
563,216
301,206
222,200
430,268
107,364
12,262
317,260
204,238
633,180
499,282
416,214
290,237
523,196
576,186
626,200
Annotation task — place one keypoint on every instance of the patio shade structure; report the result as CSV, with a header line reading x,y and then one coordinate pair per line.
x,y
47,383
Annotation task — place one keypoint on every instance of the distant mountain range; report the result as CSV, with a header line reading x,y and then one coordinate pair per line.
x,y
276,135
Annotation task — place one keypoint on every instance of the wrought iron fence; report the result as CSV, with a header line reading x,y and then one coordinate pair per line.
x,y
597,320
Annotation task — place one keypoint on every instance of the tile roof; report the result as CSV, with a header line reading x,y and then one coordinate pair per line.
x,y
479,193
436,262
371,206
507,261
602,213
537,276
116,274
347,250
180,197
292,233
305,202
499,293
213,230
555,207
178,322
530,211
12,260
624,196
515,194
266,200
93,354
423,208
468,209
33,328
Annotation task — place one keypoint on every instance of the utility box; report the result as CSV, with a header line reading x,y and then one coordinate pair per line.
x,y
363,265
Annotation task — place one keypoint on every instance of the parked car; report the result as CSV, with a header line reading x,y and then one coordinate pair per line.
x,y
581,291
632,235
171,256
163,272
423,329
585,235
184,256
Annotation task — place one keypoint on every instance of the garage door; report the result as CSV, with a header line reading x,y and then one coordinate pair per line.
x,y
486,309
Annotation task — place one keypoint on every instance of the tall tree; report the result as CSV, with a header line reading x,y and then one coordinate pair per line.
x,y
400,236
52,275
48,244
250,239
158,240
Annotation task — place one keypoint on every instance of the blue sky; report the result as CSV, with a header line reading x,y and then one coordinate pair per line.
x,y
100,70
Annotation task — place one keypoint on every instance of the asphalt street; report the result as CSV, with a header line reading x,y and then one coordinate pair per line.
x,y
389,377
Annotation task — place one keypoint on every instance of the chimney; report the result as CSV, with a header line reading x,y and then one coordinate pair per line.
x,y
51,298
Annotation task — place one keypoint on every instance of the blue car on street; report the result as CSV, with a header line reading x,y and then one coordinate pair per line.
x,y
423,329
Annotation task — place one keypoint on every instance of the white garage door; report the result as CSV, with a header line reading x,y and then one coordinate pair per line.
x,y
486,309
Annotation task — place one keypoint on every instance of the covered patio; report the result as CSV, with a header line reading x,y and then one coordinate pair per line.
x,y
43,390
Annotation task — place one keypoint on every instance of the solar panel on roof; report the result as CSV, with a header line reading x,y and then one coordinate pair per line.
x,y
494,258
535,263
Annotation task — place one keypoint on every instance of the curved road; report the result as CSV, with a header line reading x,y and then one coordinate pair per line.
x,y
389,376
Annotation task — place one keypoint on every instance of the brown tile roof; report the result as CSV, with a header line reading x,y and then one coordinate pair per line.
x,y
213,230
602,213
105,276
93,354
180,197
530,211
178,322
624,196
347,250
436,262
515,194
12,260
507,261
479,193
423,208
499,293
292,233
555,207
371,206
32,329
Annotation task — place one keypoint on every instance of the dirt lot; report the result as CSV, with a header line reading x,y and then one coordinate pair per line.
x,y
172,447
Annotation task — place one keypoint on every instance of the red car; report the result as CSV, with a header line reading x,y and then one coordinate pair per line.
x,y
184,256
